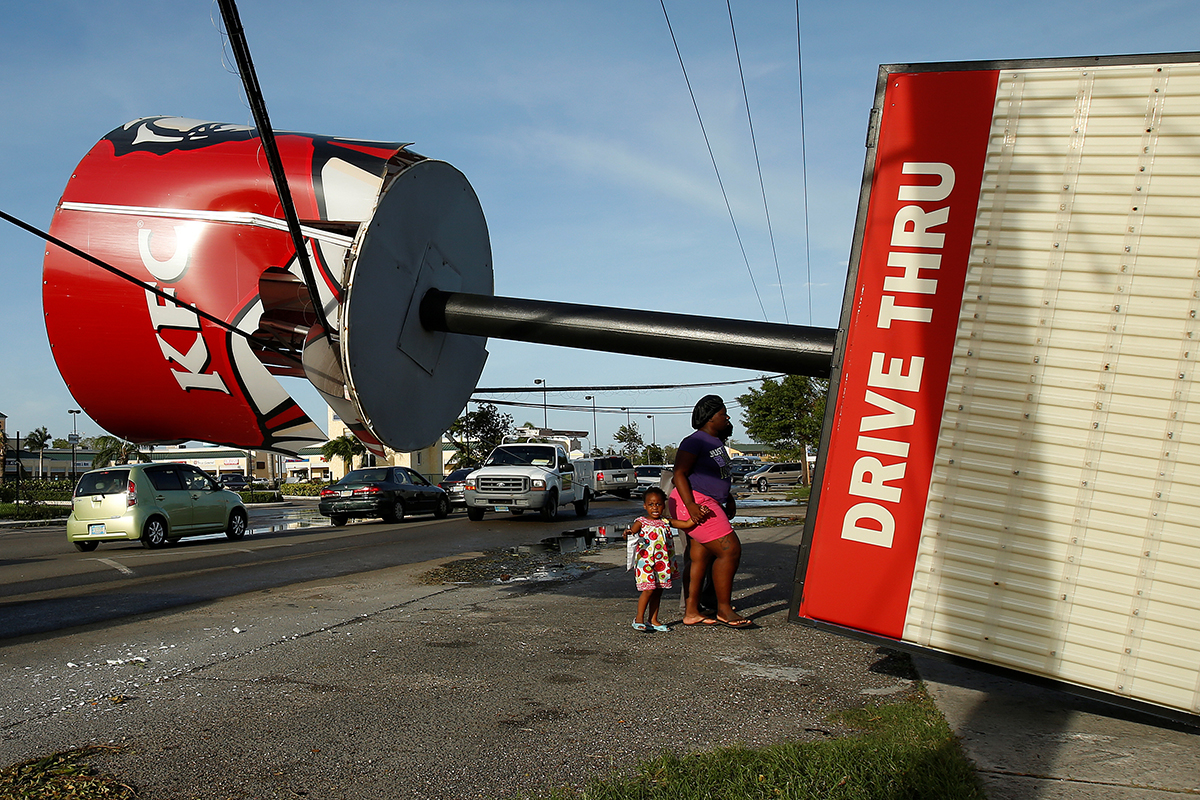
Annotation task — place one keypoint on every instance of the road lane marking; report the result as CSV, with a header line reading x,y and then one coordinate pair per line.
x,y
116,565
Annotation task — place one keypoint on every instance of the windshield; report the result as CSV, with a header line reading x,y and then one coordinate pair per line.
x,y
521,455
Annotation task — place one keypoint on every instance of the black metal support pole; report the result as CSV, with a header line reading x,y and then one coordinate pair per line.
x,y
791,349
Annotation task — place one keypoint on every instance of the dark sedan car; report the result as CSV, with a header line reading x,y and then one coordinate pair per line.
x,y
454,484
387,492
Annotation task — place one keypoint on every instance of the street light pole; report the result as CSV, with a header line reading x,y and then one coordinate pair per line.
x,y
595,427
545,420
653,429
74,412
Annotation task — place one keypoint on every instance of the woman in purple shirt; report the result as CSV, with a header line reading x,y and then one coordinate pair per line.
x,y
702,493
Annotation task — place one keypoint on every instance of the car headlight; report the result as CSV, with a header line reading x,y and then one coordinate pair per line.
x,y
537,484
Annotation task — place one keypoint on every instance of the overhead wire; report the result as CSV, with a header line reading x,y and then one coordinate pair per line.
x,y
713,158
804,164
757,161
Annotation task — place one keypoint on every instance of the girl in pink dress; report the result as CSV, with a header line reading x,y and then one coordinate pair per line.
x,y
650,553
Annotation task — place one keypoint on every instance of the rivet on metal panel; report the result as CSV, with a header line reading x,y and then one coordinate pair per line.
x,y
960,408
1127,650
1181,376
1140,169
1066,186
1026,416
1135,611
1106,367
1148,130
1147,553
952,461
1016,472
1037,359
1062,207
1056,244
1095,425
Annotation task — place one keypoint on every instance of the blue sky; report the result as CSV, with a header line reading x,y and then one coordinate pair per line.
x,y
571,120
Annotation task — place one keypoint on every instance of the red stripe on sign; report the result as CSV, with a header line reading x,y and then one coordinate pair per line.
x,y
901,326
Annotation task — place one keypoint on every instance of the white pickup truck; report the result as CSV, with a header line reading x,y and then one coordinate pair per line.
x,y
523,476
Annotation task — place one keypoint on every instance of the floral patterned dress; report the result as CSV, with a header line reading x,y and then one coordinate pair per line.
x,y
652,552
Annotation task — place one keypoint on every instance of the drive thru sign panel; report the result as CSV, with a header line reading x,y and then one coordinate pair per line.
x,y
1009,472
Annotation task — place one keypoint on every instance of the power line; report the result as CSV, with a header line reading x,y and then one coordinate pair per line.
x,y
757,162
713,158
803,162
644,387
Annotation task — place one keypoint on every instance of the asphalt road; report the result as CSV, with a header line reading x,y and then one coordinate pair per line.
x,y
46,585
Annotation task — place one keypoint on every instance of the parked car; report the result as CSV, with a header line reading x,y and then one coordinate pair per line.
x,y
453,485
648,475
234,481
781,474
151,503
739,468
387,492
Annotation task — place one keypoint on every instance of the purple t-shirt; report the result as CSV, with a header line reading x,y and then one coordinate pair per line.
x,y
710,475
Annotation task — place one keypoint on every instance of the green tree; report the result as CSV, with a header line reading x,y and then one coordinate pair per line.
x,y
653,454
111,450
630,439
786,415
38,439
61,444
345,447
476,433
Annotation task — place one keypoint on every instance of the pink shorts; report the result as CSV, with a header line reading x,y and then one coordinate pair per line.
x,y
712,528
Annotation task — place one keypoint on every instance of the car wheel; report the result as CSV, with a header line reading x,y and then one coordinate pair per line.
x,y
763,485
516,512
581,506
475,514
338,520
85,547
395,513
154,534
550,510
237,525
443,508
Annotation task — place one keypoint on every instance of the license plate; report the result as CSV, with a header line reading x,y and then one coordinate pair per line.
x,y
622,477
348,493
96,529
502,508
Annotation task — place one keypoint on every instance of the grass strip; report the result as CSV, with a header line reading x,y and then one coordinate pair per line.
x,y
61,776
902,751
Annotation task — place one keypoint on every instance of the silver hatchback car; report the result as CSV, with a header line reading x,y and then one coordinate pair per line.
x,y
153,504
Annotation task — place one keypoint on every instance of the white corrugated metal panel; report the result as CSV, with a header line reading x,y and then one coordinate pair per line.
x,y
1062,531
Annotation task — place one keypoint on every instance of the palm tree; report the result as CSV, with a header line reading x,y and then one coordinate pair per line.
x,y
345,447
38,439
111,450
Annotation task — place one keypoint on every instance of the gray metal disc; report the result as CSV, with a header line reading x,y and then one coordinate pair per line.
x,y
427,232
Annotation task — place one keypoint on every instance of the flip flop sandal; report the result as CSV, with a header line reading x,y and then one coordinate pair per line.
x,y
639,626
660,628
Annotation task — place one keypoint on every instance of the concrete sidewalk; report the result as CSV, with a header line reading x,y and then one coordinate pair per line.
x,y
380,686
